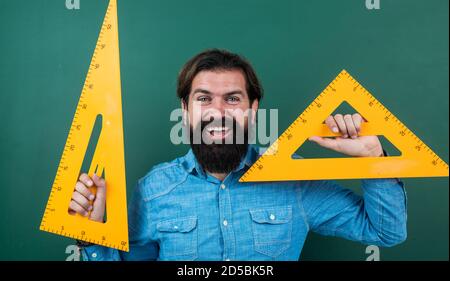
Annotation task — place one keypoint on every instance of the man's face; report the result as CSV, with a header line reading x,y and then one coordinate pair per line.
x,y
218,95
218,109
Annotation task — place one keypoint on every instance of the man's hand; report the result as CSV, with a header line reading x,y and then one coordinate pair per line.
x,y
349,143
83,201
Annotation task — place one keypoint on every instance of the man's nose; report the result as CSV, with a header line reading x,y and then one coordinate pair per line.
x,y
217,109
219,105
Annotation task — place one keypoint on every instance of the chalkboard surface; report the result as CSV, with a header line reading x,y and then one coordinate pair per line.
x,y
399,53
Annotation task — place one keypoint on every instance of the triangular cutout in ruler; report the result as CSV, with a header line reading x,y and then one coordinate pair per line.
x,y
416,159
101,94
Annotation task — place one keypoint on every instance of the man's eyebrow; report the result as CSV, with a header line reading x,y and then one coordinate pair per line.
x,y
237,92
202,91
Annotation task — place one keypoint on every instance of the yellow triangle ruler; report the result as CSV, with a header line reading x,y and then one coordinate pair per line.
x,y
101,95
416,159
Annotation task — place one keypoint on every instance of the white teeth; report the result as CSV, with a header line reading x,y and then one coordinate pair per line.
x,y
217,129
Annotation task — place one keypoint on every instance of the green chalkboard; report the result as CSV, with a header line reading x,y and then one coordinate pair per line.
x,y
399,52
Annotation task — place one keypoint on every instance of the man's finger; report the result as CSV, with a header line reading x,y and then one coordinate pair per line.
x,y
350,126
331,123
324,142
77,208
86,180
357,120
82,201
341,124
82,189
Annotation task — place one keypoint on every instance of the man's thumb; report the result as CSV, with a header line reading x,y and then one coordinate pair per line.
x,y
100,199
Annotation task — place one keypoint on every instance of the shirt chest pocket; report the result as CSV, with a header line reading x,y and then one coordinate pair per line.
x,y
272,229
178,238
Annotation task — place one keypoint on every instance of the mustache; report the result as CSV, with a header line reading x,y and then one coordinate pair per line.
x,y
203,128
218,122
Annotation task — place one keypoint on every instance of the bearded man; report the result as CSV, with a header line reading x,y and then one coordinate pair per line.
x,y
195,208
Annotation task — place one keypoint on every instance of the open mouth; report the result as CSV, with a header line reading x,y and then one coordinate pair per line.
x,y
218,132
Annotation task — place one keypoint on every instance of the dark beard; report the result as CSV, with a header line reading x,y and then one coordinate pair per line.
x,y
220,157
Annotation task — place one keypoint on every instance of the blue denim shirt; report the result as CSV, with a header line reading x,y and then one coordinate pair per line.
x,y
179,212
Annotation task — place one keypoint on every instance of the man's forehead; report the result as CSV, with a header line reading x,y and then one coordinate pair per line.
x,y
220,81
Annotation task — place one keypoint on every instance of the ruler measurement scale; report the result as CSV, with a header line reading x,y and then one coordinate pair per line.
x,y
345,88
101,95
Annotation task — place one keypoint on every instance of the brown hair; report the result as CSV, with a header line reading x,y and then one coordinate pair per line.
x,y
216,59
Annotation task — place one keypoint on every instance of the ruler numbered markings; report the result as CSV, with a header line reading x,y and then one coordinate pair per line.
x,y
100,96
416,159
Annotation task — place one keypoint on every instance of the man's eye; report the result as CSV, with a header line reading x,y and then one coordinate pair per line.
x,y
233,99
203,99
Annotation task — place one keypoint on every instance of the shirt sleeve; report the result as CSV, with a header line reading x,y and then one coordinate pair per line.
x,y
377,217
142,246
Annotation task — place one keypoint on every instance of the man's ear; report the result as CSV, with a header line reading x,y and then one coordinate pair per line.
x,y
254,107
184,109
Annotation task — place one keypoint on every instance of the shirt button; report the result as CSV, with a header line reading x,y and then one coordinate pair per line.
x,y
225,222
94,255
272,216
175,227
227,259
222,186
